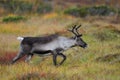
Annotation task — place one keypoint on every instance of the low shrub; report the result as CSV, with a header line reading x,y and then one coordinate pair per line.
x,y
111,58
44,8
106,35
83,12
101,10
94,10
22,7
7,57
16,7
75,11
13,18
119,11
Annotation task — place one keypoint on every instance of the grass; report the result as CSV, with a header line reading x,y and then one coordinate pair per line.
x,y
81,64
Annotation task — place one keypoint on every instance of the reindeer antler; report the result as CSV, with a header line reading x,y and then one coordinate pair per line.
x,y
75,30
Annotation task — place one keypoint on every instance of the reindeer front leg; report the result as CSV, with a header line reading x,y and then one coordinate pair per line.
x,y
54,57
55,54
64,58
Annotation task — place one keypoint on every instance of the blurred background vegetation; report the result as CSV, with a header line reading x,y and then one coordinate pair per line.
x,y
78,8
44,6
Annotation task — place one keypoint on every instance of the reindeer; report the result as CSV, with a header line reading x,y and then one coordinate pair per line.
x,y
49,45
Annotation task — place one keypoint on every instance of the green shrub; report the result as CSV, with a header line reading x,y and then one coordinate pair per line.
x,y
78,12
83,12
21,7
119,11
73,11
94,10
25,7
15,6
44,8
13,18
101,10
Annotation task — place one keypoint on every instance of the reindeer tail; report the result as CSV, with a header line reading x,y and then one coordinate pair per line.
x,y
20,38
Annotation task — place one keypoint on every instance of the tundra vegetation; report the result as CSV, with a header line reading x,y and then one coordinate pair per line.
x,y
100,61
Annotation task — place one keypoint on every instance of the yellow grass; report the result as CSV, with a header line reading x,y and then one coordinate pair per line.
x,y
81,63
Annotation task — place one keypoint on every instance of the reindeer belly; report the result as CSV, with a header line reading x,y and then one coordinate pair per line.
x,y
42,52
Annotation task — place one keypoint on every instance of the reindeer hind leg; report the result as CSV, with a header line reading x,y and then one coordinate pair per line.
x,y
20,55
29,56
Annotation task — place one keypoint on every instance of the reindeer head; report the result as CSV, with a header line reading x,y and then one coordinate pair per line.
x,y
77,37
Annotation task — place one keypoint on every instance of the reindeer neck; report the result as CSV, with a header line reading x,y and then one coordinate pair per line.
x,y
67,43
